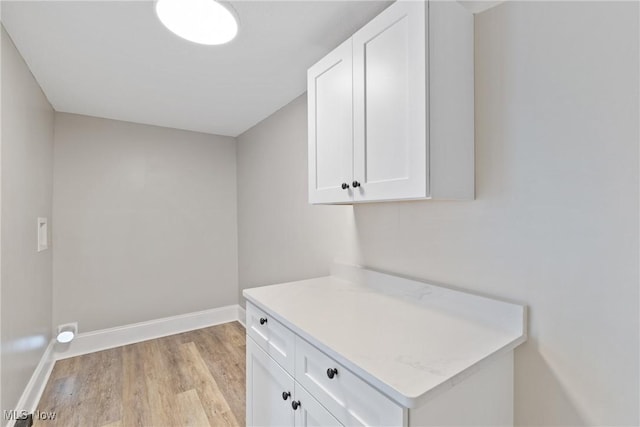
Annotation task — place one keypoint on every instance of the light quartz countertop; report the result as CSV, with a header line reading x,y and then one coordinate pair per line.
x,y
409,339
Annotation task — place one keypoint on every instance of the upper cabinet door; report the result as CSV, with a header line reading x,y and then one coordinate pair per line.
x,y
330,92
390,105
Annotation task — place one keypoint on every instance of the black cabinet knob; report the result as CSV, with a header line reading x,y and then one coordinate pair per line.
x,y
332,372
295,404
355,184
286,395
345,185
263,320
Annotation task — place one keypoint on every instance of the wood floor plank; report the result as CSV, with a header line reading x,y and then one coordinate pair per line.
x,y
160,388
170,351
216,406
194,378
109,395
60,390
57,397
192,414
227,366
66,367
136,410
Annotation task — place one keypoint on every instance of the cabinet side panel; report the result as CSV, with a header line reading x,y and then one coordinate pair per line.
x,y
483,399
248,382
451,101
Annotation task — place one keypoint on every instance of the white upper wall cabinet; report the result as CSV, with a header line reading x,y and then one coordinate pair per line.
x,y
391,109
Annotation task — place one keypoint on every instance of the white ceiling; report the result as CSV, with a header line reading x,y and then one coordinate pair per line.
x,y
114,59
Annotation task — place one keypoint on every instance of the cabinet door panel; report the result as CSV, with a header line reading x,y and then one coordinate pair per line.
x,y
386,75
390,107
266,381
331,126
311,413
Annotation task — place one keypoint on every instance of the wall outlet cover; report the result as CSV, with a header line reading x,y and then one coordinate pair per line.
x,y
43,234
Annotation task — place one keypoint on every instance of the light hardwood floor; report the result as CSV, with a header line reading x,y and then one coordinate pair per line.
x,y
192,379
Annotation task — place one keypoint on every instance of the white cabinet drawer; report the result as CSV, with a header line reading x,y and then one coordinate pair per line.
x,y
350,399
271,336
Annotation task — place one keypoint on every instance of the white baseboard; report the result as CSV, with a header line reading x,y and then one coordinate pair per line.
x,y
32,392
242,316
104,339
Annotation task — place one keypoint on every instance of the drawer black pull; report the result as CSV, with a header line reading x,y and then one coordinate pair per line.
x,y
345,185
355,184
332,372
286,395
263,320
295,404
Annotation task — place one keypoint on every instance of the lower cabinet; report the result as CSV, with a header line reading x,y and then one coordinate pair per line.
x,y
275,399
291,382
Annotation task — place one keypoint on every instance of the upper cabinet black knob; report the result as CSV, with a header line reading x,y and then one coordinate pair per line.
x,y
286,395
263,320
295,404
345,185
355,184
332,372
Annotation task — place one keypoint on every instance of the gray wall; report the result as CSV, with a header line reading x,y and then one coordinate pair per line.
x,y
555,223
26,174
145,222
280,236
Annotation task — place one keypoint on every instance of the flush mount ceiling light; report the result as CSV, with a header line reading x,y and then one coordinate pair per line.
x,y
200,21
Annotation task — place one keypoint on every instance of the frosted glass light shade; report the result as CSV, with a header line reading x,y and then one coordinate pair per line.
x,y
67,332
200,21
65,336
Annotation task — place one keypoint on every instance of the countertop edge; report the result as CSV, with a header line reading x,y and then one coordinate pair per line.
x,y
393,394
